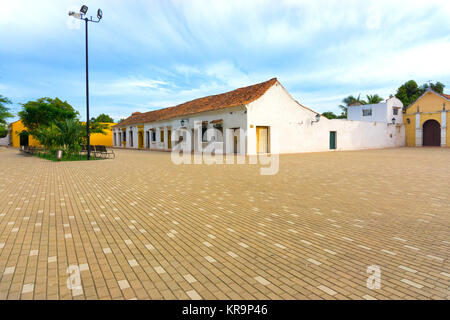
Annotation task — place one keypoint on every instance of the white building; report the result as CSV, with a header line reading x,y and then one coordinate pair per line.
x,y
387,111
5,141
261,118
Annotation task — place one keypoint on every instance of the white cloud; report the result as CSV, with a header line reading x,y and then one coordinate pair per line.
x,y
160,53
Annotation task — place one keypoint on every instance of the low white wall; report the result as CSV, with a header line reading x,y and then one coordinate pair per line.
x,y
4,141
293,130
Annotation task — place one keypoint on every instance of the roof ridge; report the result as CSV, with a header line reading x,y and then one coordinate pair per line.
x,y
239,96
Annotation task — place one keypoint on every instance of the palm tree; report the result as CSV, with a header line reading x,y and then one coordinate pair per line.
x,y
349,101
374,98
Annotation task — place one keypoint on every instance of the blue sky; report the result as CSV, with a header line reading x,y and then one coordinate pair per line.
x,y
145,55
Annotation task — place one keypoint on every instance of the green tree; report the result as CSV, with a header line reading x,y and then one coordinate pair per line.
x,y
94,127
103,118
373,99
329,115
45,111
55,124
437,87
120,120
69,136
349,101
3,131
47,136
408,92
4,111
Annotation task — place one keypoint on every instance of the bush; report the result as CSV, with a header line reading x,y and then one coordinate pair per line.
x,y
64,135
3,131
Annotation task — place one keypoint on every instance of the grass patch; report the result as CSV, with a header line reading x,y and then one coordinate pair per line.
x,y
52,157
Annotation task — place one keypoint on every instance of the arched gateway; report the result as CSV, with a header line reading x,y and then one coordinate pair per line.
x,y
431,133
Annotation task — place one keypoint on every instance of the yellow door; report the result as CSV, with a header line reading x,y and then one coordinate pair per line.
x,y
262,139
141,140
169,139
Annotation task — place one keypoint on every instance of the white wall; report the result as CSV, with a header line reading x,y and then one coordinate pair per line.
x,y
5,141
391,104
292,129
381,112
234,117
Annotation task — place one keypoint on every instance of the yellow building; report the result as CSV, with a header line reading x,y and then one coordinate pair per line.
x,y
426,120
17,141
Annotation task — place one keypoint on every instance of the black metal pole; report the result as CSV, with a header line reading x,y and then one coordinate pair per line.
x,y
87,95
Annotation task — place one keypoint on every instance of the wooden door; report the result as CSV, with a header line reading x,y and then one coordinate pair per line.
x,y
140,139
431,133
262,139
169,139
332,140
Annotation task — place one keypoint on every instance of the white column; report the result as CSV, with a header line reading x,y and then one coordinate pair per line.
x,y
166,138
418,131
135,137
443,128
229,140
198,145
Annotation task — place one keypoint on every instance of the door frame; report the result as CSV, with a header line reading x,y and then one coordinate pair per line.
x,y
333,143
141,139
429,132
169,139
267,137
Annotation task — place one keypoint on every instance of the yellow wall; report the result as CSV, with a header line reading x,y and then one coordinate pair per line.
x,y
410,130
448,130
16,128
430,106
429,116
96,138
430,102
105,140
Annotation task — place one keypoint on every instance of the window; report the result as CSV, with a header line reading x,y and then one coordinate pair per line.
x,y
162,135
153,135
395,111
124,136
114,138
204,128
120,138
219,136
367,112
147,139
131,138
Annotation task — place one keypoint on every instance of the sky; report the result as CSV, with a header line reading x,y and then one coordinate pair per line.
x,y
147,55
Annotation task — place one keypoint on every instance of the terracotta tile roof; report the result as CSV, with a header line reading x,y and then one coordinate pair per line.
x,y
446,95
241,96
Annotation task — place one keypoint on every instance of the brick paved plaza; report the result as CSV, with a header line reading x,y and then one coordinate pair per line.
x,y
141,227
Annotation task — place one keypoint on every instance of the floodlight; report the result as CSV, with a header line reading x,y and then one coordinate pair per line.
x,y
84,9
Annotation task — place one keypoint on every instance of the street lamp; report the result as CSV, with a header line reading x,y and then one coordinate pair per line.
x,y
82,16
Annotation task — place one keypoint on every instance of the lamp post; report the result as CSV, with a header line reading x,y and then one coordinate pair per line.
x,y
82,16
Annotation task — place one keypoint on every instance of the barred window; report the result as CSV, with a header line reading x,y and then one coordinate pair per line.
x,y
367,112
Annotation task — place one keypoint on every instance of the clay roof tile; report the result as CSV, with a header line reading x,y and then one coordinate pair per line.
x,y
238,97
